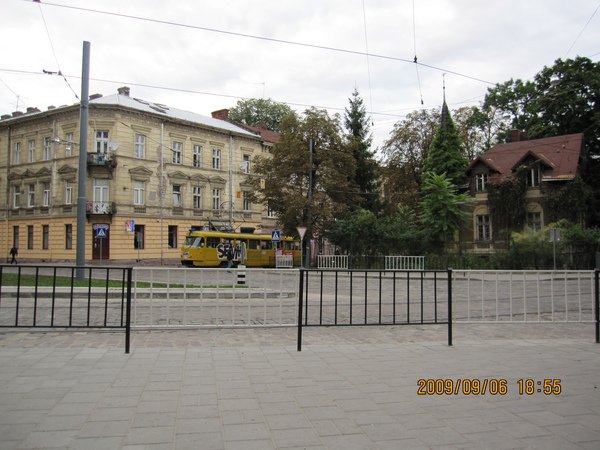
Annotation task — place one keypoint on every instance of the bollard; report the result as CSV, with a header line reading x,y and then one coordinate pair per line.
x,y
241,274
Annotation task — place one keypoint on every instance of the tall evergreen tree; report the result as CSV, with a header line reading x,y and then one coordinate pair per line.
x,y
445,155
359,141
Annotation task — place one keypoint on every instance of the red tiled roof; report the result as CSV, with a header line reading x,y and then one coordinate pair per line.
x,y
559,156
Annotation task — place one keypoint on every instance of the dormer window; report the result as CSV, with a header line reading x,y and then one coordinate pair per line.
x,y
481,182
533,177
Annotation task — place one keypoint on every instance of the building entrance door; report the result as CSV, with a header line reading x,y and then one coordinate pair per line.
x,y
101,241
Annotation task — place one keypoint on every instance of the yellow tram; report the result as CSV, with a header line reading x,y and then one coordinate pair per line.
x,y
216,249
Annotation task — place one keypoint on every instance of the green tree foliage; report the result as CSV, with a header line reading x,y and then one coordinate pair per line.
x,y
404,152
442,208
349,232
286,173
359,140
445,154
257,111
386,235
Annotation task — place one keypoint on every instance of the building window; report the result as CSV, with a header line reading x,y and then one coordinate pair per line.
x,y
30,237
68,236
247,205
31,150
481,182
216,199
138,192
197,158
17,153
176,195
47,150
138,237
197,197
102,142
483,227
172,236
140,146
177,152
46,195
533,177
68,194
216,159
16,196
16,236
534,221
30,195
45,237
69,144
270,211
245,166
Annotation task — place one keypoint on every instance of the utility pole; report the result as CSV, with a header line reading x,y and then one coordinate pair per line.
x,y
82,181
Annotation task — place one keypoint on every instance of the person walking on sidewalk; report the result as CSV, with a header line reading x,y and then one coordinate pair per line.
x,y
13,253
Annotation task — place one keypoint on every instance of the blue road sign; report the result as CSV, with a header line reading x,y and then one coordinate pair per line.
x,y
276,235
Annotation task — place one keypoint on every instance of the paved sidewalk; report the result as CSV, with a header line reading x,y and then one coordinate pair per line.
x,y
349,388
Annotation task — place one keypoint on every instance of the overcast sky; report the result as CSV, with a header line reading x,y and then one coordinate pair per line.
x,y
476,43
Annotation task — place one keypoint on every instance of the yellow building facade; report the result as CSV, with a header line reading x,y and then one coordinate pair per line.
x,y
153,172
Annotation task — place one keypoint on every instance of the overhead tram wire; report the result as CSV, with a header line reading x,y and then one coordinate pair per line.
x,y
54,52
415,48
263,38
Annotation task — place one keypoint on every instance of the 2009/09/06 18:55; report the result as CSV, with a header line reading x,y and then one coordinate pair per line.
x,y
491,386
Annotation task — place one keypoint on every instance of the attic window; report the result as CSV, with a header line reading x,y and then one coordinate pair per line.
x,y
533,177
481,180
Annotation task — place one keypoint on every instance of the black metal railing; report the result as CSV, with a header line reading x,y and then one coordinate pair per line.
x,y
329,297
66,297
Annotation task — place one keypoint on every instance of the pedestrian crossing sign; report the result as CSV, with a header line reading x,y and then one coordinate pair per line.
x,y
100,232
276,235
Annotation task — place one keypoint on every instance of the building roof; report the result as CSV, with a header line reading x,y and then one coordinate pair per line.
x,y
122,99
167,111
559,156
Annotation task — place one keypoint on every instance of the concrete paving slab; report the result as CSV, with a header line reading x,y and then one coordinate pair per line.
x,y
348,389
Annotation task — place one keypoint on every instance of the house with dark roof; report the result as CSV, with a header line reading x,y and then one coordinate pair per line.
x,y
542,165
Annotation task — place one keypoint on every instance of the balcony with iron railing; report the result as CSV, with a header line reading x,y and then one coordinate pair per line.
x,y
98,159
100,208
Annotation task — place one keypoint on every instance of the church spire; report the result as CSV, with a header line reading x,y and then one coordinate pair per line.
x,y
445,112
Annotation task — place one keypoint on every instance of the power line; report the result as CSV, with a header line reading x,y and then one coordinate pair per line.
x,y
583,29
264,38
187,91
368,64
53,51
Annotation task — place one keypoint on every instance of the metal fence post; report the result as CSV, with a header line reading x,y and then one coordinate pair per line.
x,y
128,311
450,307
300,298
597,293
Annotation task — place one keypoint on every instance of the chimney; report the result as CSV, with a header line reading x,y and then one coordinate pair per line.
x,y
5,116
517,136
31,109
221,114
51,107
123,91
95,96
17,113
